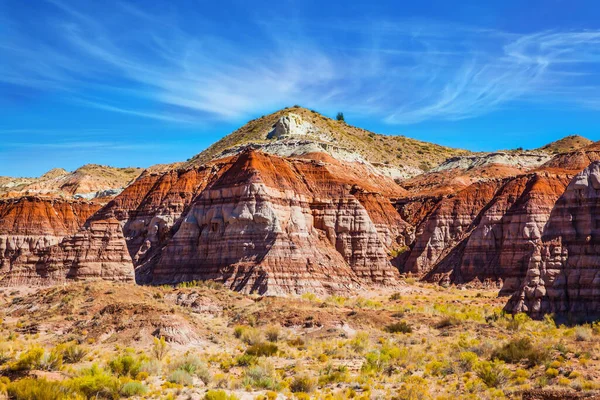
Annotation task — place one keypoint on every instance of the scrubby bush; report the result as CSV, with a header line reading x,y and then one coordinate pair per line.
x,y
519,349
395,296
331,374
262,376
94,383
413,388
272,333
133,388
194,366
262,350
238,331
252,336
448,322
72,353
51,360
180,377
467,360
399,327
219,395
583,333
151,367
38,389
493,373
383,360
125,365
160,348
28,360
518,320
246,360
302,384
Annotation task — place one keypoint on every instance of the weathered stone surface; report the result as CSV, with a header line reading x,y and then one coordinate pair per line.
x,y
30,225
563,275
277,226
501,239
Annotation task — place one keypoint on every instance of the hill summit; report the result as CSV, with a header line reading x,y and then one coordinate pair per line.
x,y
297,131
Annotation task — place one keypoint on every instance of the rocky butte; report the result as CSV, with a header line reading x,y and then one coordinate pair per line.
x,y
295,202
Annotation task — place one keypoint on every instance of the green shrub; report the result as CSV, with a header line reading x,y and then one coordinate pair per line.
x,y
493,373
219,395
583,333
399,327
272,333
519,349
238,331
262,350
37,389
151,367
125,365
180,377
262,376
448,322
467,360
51,360
28,360
302,384
252,336
193,365
160,348
413,388
95,383
396,296
517,321
246,360
133,388
72,353
333,375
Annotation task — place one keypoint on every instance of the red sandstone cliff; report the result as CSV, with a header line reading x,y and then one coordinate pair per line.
x,y
563,276
33,229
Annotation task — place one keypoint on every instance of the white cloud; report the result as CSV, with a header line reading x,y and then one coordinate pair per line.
x,y
405,72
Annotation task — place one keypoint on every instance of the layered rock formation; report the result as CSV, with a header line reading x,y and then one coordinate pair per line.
x,y
45,241
275,226
563,276
89,182
31,224
295,202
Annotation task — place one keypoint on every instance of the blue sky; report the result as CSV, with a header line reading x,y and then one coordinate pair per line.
x,y
139,83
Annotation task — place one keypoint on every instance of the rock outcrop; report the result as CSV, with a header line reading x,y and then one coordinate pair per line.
x,y
563,276
275,226
31,224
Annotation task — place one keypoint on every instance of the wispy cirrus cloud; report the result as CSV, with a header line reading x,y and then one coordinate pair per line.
x,y
148,65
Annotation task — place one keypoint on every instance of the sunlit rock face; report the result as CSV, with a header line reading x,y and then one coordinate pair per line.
x,y
275,226
563,276
46,241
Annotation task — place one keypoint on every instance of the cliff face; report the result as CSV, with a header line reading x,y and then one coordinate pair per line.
x,y
30,224
254,221
277,226
45,241
563,275
502,237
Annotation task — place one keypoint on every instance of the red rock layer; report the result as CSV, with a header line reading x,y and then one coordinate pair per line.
x,y
30,224
273,226
501,239
446,226
150,206
563,277
97,251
